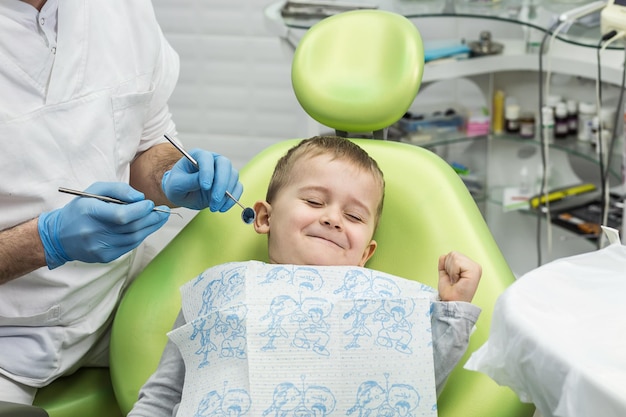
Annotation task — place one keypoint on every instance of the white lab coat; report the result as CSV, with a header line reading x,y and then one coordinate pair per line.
x,y
105,101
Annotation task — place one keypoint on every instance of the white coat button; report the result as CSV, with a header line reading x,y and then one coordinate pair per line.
x,y
42,21
54,49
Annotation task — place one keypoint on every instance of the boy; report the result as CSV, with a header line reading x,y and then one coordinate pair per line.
x,y
322,207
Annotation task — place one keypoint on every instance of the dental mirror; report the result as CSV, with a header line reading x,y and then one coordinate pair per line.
x,y
247,214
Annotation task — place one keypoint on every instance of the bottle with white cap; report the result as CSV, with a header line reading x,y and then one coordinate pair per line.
x,y
572,116
511,118
561,127
586,113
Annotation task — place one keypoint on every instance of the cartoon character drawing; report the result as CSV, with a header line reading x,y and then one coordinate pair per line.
x,y
285,399
289,401
281,306
233,403
396,330
400,400
225,329
370,396
236,403
209,405
220,292
301,276
278,273
313,330
203,326
319,401
208,294
404,399
234,343
355,283
307,278
385,287
361,310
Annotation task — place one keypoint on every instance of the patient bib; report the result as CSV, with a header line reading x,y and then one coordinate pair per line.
x,y
288,340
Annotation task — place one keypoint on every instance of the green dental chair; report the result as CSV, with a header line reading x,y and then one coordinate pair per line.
x,y
336,74
354,72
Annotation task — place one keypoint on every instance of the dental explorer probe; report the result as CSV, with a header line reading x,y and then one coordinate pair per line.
x,y
104,198
247,215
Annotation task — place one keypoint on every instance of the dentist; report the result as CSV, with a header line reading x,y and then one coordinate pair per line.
x,y
85,86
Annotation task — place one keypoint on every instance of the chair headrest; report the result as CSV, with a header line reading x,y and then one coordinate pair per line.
x,y
358,71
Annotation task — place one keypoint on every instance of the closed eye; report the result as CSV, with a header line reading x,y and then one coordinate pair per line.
x,y
354,217
314,203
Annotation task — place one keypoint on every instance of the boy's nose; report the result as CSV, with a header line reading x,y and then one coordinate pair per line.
x,y
331,218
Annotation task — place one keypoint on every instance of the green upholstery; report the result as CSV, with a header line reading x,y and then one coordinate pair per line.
x,y
428,212
358,71
21,410
87,392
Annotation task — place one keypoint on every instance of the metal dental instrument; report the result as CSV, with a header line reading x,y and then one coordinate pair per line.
x,y
247,214
105,198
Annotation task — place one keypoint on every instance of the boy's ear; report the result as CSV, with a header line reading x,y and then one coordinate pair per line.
x,y
368,252
262,219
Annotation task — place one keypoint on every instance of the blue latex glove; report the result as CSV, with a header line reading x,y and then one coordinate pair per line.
x,y
187,186
90,230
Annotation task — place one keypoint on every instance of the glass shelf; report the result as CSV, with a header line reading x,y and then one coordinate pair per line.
x,y
536,14
570,145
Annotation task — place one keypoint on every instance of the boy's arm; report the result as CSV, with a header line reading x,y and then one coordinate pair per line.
x,y
160,395
458,277
452,323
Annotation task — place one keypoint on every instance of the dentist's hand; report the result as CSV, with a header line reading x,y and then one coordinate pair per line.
x,y
205,186
90,230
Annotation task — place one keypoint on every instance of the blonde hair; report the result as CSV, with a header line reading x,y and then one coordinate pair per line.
x,y
335,146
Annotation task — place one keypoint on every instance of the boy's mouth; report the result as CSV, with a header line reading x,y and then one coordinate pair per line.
x,y
328,240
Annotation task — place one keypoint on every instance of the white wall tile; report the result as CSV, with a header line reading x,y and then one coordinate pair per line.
x,y
234,92
235,76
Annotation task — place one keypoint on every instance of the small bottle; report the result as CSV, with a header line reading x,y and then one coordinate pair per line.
x,y
511,118
552,101
547,124
586,113
527,125
561,126
595,130
498,112
572,116
607,117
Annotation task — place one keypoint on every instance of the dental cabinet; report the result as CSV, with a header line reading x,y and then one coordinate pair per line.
x,y
497,167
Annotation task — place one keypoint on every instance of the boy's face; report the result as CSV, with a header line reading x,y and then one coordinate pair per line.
x,y
326,215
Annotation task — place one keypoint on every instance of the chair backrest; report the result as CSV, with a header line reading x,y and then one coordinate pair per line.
x,y
358,71
355,72
428,212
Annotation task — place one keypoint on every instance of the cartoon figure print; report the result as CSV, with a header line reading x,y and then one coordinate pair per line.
x,y
221,316
232,403
313,332
362,309
396,330
285,399
301,277
222,292
309,313
225,329
281,306
203,326
290,401
372,400
234,332
377,308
